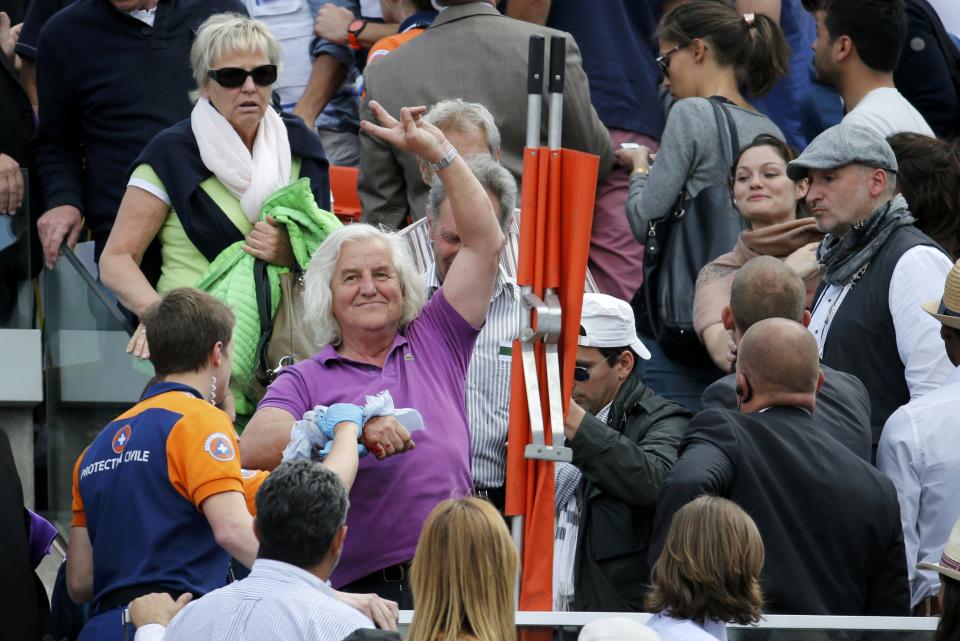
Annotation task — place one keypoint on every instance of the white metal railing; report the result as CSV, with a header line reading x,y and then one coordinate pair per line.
x,y
772,621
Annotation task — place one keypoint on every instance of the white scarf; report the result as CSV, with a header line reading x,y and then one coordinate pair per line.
x,y
251,178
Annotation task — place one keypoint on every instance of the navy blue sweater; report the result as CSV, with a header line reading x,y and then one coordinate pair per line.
x,y
618,48
108,83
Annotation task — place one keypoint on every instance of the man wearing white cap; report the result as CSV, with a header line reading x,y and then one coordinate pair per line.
x,y
877,270
918,452
624,439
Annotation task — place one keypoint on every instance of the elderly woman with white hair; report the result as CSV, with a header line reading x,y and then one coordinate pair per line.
x,y
198,187
368,304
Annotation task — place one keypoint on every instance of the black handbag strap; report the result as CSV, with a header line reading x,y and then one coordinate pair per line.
x,y
732,145
261,280
729,144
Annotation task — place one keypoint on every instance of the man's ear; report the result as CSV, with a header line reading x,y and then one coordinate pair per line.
x,y
742,388
726,317
216,355
336,545
625,364
820,379
879,183
806,318
842,48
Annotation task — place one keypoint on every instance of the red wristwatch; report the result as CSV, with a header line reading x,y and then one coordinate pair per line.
x,y
353,33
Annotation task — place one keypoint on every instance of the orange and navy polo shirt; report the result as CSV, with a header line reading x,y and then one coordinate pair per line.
x,y
139,486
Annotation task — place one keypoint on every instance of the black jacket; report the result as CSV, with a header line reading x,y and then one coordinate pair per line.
x,y
24,612
843,407
107,85
830,522
623,461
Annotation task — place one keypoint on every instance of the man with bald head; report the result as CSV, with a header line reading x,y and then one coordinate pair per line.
x,y
829,521
765,287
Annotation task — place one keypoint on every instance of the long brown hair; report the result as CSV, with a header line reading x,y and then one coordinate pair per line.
x,y
756,49
928,176
710,565
463,575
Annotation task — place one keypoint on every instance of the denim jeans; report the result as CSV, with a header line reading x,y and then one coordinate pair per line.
x,y
675,381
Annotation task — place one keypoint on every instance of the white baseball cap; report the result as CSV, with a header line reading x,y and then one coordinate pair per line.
x,y
609,322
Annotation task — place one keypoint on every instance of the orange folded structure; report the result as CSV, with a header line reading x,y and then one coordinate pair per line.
x,y
557,201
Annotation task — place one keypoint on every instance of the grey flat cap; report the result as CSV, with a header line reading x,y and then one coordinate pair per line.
x,y
842,145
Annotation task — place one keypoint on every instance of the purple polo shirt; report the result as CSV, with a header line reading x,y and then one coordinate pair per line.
x,y
425,369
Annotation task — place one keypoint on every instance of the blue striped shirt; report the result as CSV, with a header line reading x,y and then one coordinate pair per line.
x,y
277,602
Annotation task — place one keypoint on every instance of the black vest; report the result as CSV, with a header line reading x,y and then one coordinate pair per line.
x,y
861,339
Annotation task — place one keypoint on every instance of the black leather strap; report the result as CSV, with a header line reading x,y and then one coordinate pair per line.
x,y
261,280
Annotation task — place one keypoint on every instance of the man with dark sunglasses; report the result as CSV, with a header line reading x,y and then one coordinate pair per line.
x,y
624,439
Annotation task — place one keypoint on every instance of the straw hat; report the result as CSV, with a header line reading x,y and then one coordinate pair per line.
x,y
950,561
947,309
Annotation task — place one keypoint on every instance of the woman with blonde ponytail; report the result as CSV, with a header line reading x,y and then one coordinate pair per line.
x,y
463,575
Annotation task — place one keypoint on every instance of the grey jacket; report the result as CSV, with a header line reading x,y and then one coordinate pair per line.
x,y
471,52
624,462
690,158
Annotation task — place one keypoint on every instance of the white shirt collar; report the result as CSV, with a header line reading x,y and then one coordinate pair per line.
x,y
147,16
287,572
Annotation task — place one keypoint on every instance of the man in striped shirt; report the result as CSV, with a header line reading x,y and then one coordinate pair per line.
x,y
301,512
434,243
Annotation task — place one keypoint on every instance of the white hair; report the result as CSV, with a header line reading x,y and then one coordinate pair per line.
x,y
457,114
224,33
318,280
492,176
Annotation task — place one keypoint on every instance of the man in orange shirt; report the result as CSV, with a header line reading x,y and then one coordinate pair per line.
x,y
414,16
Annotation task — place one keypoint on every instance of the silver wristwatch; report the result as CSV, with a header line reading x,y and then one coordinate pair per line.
x,y
445,161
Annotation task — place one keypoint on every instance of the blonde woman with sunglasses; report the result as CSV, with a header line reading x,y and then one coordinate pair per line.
x,y
198,186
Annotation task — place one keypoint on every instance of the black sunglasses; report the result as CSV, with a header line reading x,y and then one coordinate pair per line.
x,y
582,374
663,62
233,77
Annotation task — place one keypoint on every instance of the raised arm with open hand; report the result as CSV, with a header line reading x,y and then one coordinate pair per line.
x,y
410,133
469,283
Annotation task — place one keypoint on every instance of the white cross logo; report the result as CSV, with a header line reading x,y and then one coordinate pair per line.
x,y
122,439
222,449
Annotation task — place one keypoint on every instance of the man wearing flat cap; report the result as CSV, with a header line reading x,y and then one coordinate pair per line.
x,y
878,269
624,439
918,451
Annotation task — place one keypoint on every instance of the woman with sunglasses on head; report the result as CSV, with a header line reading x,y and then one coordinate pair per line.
x,y
772,205
199,186
707,49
